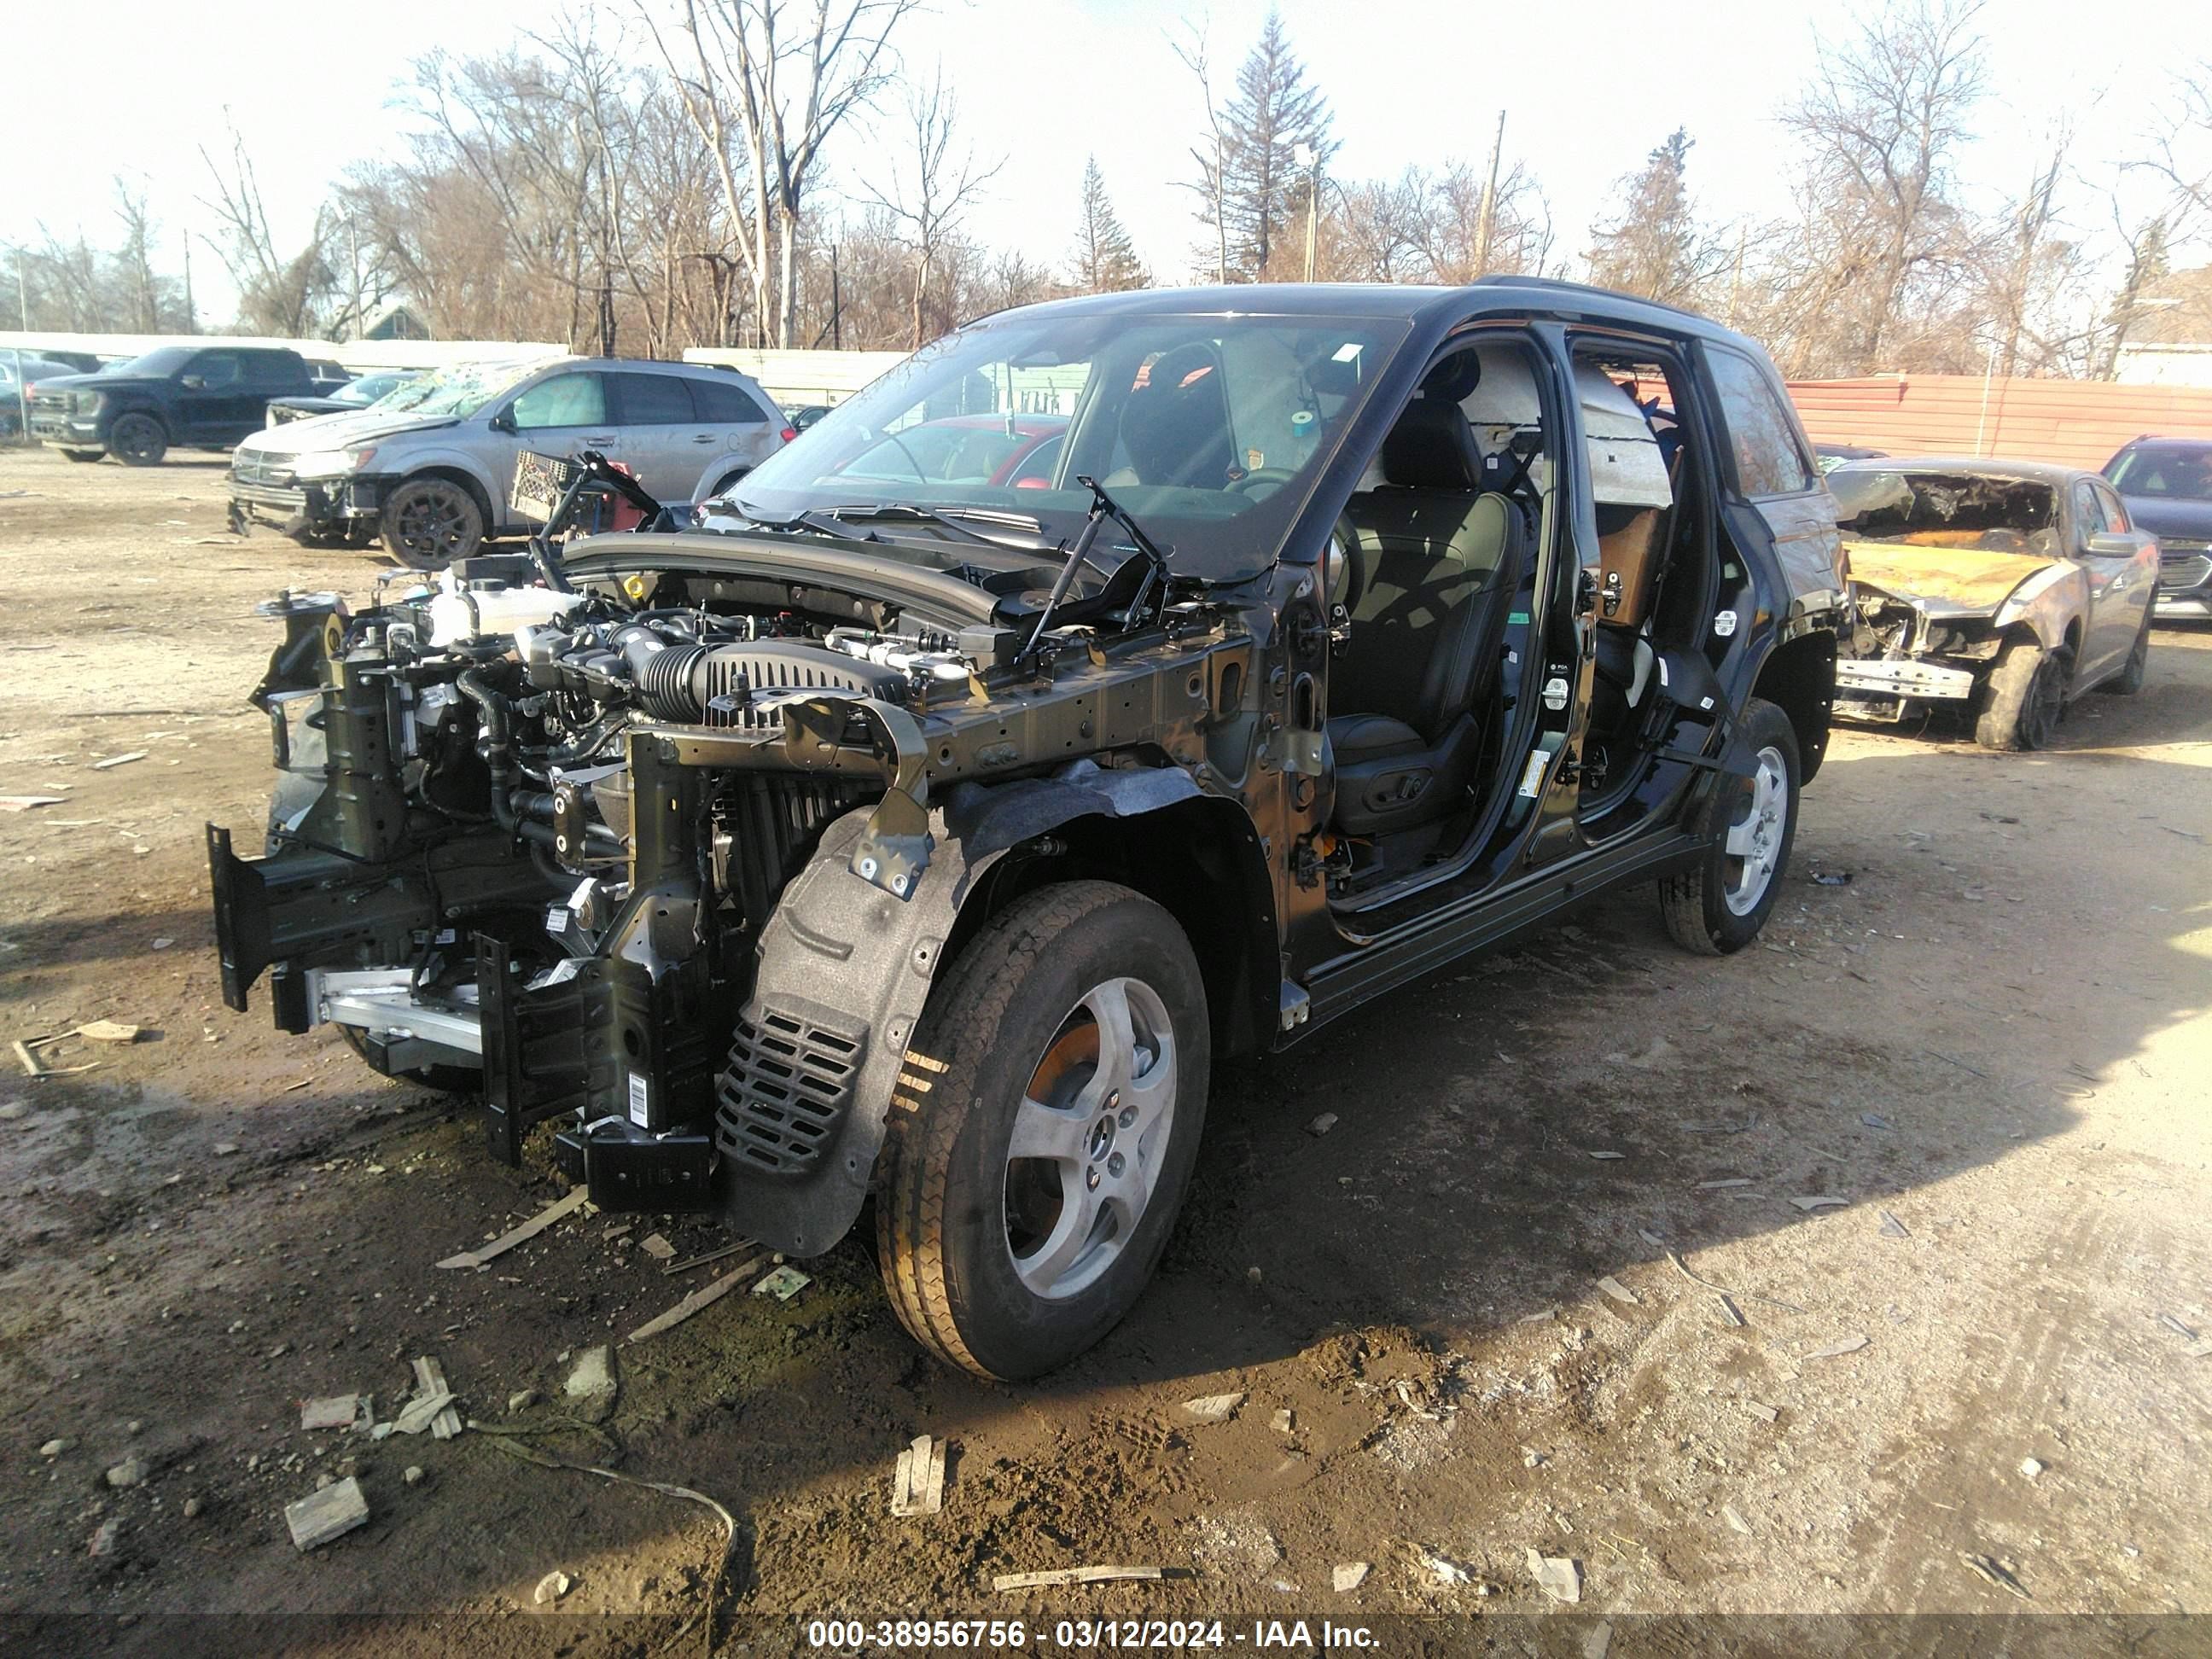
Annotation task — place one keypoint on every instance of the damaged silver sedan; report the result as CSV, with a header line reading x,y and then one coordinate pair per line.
x,y
2002,589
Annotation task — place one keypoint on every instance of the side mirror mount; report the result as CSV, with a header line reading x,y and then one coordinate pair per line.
x,y
1688,682
2110,546
503,421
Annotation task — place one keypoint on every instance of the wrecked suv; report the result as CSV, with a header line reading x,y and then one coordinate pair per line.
x,y
927,839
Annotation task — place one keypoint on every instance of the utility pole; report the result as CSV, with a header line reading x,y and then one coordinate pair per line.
x,y
1489,223
1311,157
191,317
836,305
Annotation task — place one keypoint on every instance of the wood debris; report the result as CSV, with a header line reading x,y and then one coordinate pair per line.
x,y
338,1411
1996,1573
530,1229
918,1484
444,1422
1842,1345
1891,1226
689,1263
705,1295
1618,1291
783,1283
1821,1202
1056,1576
320,1516
1558,1576
657,1247
25,803
119,760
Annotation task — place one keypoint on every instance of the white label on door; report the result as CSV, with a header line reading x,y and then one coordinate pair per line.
x,y
639,1096
1532,775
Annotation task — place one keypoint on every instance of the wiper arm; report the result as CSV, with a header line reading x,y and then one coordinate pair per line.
x,y
819,524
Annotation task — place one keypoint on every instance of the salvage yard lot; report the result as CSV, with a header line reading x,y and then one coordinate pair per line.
x,y
1991,1043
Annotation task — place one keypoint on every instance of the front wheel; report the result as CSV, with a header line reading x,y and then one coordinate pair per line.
x,y
1718,906
2024,698
137,441
427,523
1044,1130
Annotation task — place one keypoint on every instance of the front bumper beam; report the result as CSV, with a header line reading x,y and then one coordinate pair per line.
x,y
1901,677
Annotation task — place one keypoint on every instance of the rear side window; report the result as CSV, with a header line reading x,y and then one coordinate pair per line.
x,y
725,403
1762,438
564,400
272,368
217,369
653,400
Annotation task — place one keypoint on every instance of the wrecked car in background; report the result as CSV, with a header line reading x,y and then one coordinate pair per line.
x,y
2005,589
926,838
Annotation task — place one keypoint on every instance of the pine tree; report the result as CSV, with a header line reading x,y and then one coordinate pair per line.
x,y
1259,182
1105,260
1655,246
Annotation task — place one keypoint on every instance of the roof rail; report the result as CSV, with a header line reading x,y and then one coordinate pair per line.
x,y
1500,279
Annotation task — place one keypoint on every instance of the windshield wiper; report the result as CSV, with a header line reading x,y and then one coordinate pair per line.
x,y
949,518
819,524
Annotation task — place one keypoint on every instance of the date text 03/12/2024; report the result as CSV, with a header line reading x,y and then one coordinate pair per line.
x,y
999,1635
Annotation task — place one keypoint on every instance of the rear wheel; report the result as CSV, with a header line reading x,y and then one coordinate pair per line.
x,y
2024,698
428,523
1047,1121
137,441
1718,906
725,484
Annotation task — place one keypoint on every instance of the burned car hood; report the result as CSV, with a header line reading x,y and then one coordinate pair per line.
x,y
1957,579
365,425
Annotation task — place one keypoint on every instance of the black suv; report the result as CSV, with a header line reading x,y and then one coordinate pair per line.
x,y
926,821
2165,484
174,396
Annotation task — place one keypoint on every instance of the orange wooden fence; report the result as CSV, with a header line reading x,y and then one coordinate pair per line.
x,y
2073,422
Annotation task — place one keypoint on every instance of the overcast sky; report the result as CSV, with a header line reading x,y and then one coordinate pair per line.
x,y
135,87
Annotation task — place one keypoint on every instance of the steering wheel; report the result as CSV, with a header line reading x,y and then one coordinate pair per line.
x,y
1274,477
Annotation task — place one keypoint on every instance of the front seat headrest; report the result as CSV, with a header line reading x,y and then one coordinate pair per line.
x,y
1429,447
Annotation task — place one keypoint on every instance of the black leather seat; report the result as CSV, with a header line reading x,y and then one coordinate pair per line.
x,y
1432,567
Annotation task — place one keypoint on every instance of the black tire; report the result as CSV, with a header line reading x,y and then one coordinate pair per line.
x,y
2024,697
448,1079
427,523
2130,679
954,1206
1718,906
137,441
85,455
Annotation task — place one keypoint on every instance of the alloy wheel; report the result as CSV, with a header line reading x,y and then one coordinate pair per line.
x,y
1753,843
1090,1139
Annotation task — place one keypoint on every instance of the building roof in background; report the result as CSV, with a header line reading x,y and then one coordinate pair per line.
x,y
2175,310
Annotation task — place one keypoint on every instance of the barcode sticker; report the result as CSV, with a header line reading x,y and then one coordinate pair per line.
x,y
640,1095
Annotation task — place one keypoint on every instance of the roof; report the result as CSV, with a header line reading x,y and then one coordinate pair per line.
x,y
1383,301
1972,466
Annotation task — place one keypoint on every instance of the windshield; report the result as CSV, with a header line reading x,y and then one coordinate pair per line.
x,y
1945,509
366,390
1210,430
157,364
459,390
2176,473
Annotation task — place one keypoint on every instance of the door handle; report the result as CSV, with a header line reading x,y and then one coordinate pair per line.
x,y
606,442
704,438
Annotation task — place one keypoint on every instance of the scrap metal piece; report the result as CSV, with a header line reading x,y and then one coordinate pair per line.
x,y
918,1485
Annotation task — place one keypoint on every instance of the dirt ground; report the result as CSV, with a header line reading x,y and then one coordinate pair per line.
x,y
1990,1042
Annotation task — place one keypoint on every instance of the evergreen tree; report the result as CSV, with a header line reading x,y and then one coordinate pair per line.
x,y
1253,195
1655,245
1105,260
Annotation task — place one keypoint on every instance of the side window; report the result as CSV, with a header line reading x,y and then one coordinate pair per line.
x,y
564,400
216,370
2116,516
653,400
1762,438
725,404
2089,514
269,369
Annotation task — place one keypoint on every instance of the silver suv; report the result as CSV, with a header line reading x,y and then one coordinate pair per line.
x,y
429,469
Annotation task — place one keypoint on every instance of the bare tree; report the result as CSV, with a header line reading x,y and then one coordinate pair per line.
x,y
930,189
2147,266
2181,150
1213,182
1881,245
279,294
778,77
